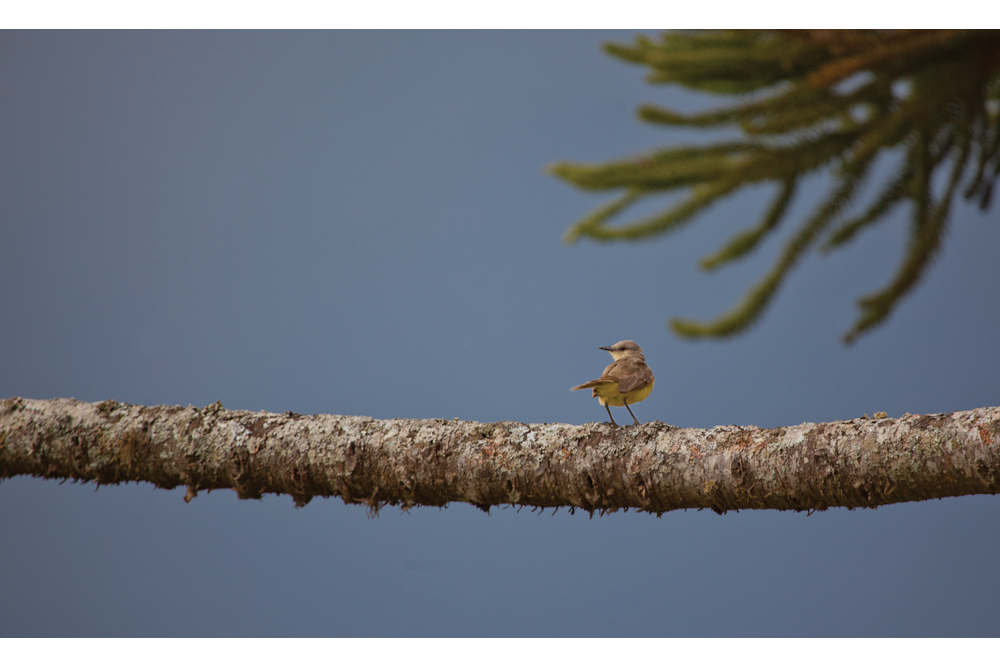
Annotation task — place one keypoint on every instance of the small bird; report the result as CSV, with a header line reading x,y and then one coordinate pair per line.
x,y
627,380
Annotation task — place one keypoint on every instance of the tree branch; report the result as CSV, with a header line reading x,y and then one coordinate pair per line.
x,y
654,467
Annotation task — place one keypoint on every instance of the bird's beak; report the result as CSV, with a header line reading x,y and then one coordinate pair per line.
x,y
606,349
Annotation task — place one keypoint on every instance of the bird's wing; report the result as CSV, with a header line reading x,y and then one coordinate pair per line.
x,y
634,377
594,383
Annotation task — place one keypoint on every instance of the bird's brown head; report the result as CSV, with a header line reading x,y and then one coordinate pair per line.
x,y
623,348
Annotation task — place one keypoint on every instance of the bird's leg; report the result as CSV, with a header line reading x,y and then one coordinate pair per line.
x,y
609,415
629,411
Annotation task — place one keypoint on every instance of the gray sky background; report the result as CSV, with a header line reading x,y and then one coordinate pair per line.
x,y
359,223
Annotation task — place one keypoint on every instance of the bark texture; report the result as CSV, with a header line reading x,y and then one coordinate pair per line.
x,y
653,467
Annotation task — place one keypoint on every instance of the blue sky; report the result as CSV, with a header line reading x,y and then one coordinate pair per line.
x,y
360,223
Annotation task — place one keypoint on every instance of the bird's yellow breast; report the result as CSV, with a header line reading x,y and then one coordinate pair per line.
x,y
608,394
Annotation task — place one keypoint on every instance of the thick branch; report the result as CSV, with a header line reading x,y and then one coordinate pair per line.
x,y
654,467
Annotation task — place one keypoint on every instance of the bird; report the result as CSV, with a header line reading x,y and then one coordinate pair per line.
x,y
626,381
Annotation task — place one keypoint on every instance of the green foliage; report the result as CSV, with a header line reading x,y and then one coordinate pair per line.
x,y
809,100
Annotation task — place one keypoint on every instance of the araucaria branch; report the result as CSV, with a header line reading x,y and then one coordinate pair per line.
x,y
653,467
